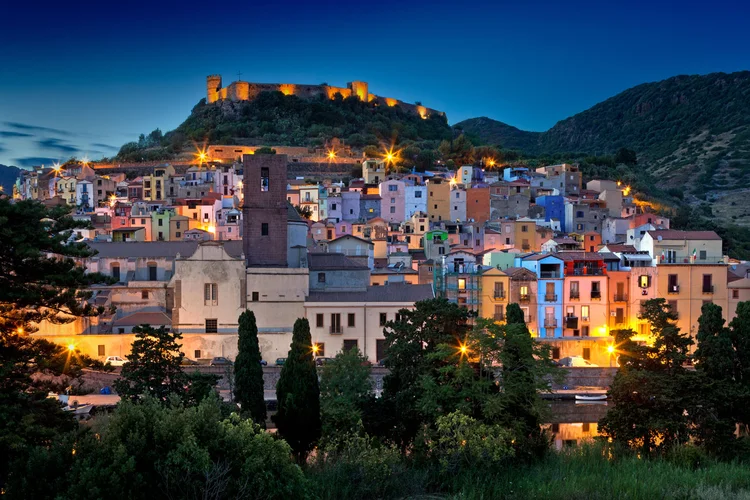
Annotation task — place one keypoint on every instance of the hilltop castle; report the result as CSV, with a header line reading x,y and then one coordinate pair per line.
x,y
247,91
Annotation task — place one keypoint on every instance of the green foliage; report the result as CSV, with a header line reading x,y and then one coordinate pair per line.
x,y
651,390
459,150
356,466
461,443
304,212
154,366
626,156
345,386
147,450
265,151
298,394
248,372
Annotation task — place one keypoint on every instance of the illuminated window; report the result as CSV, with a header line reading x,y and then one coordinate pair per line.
x,y
264,176
644,281
585,313
461,283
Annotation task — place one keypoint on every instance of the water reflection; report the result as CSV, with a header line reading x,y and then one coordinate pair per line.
x,y
572,422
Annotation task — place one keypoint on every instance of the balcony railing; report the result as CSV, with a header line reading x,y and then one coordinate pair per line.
x,y
549,274
586,271
498,294
550,323
526,247
499,317
524,298
336,330
621,297
550,298
575,295
673,289
596,295
708,289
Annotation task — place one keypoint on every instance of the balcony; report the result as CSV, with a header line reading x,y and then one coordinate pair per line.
x,y
673,289
550,298
587,271
525,248
336,330
596,295
550,323
708,289
575,295
549,274
621,297
498,317
524,298
498,294
571,322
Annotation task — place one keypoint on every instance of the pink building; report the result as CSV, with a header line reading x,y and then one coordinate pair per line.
x,y
585,295
393,200
343,228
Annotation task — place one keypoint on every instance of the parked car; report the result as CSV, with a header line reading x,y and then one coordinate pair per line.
x,y
575,362
280,361
263,362
322,361
115,361
220,361
189,362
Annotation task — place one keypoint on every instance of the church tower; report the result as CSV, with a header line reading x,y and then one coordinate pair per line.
x,y
264,212
213,84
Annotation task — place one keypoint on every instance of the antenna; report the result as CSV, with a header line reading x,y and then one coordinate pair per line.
x,y
239,75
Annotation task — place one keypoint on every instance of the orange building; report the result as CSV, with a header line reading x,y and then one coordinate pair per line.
x,y
478,204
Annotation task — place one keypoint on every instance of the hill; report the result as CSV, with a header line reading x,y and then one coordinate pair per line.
x,y
8,177
492,132
277,119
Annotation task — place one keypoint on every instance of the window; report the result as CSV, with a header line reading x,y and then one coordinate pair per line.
x,y
702,255
160,222
116,271
524,228
380,349
143,222
349,344
383,319
120,330
708,286
585,330
417,194
619,316
255,297
319,349
596,291
350,320
212,325
264,176
264,229
333,206
178,234
555,353
321,277
392,187
574,290
672,286
336,323
462,283
644,281
393,210
585,313
319,320
210,294
441,250
735,294
152,272
587,353
144,294
197,354
101,350
177,224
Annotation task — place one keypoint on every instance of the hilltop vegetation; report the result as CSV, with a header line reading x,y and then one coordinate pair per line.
x,y
277,119
8,176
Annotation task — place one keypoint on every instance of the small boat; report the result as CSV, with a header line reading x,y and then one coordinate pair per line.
x,y
591,397
79,410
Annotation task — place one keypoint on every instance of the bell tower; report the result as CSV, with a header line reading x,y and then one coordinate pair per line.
x,y
213,84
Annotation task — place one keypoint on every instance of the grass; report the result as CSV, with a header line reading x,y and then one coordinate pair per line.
x,y
587,472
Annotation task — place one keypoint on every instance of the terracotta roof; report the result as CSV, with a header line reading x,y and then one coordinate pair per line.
x,y
519,273
392,292
620,248
351,236
568,256
741,283
540,256
671,234
332,262
156,249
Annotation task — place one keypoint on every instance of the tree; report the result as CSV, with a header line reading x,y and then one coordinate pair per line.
x,y
248,372
40,282
651,389
626,156
459,150
411,343
740,335
298,394
154,366
265,151
345,386
304,212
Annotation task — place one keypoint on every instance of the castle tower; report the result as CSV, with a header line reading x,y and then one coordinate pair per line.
x,y
213,84
359,89
264,212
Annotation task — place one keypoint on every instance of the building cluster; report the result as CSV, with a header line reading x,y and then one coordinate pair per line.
x,y
192,251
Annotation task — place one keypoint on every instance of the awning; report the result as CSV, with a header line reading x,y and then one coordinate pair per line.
x,y
642,257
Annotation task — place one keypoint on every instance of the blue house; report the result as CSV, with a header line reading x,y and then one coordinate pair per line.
x,y
554,208
549,272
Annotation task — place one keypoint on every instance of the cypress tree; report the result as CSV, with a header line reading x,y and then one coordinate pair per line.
x,y
298,394
248,372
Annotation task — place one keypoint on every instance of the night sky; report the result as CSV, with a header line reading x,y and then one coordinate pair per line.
x,y
84,79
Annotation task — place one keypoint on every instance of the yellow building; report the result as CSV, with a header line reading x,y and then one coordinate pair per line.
x,y
438,199
686,287
373,171
526,236
154,185
495,294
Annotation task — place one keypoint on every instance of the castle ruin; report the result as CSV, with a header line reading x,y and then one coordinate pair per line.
x,y
247,91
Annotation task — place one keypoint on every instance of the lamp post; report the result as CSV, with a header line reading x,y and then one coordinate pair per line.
x,y
611,351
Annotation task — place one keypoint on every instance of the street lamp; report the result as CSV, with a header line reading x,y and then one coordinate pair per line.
x,y
611,351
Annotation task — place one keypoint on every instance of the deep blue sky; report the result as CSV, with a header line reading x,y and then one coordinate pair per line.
x,y
97,74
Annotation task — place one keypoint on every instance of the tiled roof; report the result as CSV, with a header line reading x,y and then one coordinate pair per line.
x,y
156,249
144,318
621,248
393,292
519,273
671,234
568,256
332,261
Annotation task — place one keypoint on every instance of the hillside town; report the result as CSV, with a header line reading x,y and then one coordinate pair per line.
x,y
190,251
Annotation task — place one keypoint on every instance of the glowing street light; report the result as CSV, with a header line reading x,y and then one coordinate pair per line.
x,y
626,191
490,162
610,349
315,349
71,347
332,155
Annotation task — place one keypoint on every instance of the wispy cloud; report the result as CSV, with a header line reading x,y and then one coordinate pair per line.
x,y
56,145
10,134
36,128
33,161
2,149
105,146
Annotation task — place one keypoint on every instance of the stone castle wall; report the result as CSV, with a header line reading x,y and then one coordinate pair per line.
x,y
247,91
